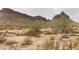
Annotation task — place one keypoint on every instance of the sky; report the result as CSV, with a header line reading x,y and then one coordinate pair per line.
x,y
49,13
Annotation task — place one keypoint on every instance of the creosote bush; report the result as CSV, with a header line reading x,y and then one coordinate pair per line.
x,y
34,32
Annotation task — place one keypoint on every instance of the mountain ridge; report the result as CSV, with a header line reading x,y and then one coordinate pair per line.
x,y
10,11
14,18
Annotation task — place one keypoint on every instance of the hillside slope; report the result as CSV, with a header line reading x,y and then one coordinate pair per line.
x,y
11,18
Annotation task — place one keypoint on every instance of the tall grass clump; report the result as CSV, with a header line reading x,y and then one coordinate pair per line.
x,y
2,39
49,44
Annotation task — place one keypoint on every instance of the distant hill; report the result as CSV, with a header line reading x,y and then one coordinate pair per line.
x,y
62,23
10,19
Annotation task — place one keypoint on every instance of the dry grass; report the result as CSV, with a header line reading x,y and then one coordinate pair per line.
x,y
61,44
27,42
9,42
56,42
34,32
49,44
2,39
48,33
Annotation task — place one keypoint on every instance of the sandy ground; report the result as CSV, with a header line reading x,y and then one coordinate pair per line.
x,y
37,42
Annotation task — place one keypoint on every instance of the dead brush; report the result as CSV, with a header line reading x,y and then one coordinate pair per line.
x,y
34,32
57,46
70,46
27,42
2,39
76,44
9,42
49,44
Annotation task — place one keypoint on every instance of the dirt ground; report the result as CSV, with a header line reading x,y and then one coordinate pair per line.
x,y
37,42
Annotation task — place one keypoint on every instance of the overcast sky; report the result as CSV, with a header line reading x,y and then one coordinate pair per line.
x,y
49,13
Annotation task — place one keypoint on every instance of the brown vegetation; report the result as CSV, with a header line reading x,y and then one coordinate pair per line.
x,y
34,32
61,44
27,42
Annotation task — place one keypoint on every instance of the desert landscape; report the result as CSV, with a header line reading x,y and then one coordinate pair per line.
x,y
20,31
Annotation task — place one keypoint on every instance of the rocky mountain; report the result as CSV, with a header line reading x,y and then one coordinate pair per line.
x,y
62,23
9,17
14,19
61,17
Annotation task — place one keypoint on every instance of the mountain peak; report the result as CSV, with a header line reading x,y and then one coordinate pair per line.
x,y
7,10
61,15
11,11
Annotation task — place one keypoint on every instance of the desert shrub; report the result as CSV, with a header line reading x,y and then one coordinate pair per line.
x,y
77,39
34,32
9,42
48,33
76,43
27,42
70,47
2,39
72,44
49,44
55,30
1,33
57,46
65,36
